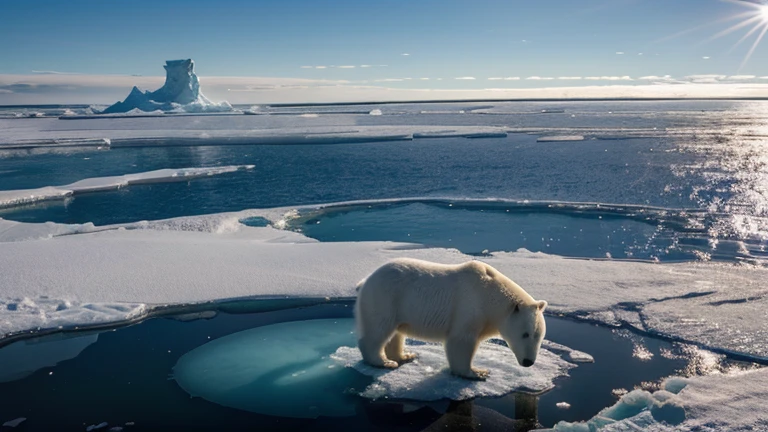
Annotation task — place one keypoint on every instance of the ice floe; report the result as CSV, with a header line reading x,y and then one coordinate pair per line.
x,y
730,401
428,379
12,198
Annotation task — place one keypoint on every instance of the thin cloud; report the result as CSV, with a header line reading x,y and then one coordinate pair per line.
x,y
365,66
706,57
741,77
538,78
320,67
465,78
405,54
307,67
52,72
345,67
569,78
619,52
504,78
424,79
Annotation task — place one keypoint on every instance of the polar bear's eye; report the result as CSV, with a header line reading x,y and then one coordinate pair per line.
x,y
525,335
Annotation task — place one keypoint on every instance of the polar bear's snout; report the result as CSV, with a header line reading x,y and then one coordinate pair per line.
x,y
527,363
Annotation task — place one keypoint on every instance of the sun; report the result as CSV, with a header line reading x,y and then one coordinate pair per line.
x,y
763,11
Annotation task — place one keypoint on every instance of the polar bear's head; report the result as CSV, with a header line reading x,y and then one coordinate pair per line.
x,y
523,329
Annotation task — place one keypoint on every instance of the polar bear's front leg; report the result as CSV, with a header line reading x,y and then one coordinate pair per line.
x,y
372,348
395,349
460,350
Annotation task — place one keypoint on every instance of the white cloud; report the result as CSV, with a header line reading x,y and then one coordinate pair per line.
x,y
405,54
365,66
104,89
706,57
465,78
569,78
654,78
424,79
619,52
320,67
307,67
389,80
538,78
52,72
495,78
741,77
345,67
512,79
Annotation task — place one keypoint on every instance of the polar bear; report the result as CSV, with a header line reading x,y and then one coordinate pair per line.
x,y
460,305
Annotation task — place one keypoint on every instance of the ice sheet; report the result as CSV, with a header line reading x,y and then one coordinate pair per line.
x,y
428,379
10,198
733,401
181,131
198,259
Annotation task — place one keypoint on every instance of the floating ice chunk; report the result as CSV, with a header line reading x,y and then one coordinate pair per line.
x,y
281,370
101,425
12,198
563,405
15,422
560,138
428,378
375,112
568,353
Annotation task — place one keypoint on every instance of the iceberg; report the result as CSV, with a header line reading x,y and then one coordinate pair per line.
x,y
180,93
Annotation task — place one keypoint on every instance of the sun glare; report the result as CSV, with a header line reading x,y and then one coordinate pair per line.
x,y
764,12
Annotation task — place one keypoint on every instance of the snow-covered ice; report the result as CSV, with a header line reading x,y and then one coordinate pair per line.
x,y
180,93
428,379
10,198
732,401
198,259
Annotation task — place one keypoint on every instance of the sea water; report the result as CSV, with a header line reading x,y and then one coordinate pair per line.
x,y
127,376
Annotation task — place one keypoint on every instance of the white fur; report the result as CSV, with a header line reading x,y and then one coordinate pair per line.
x,y
460,305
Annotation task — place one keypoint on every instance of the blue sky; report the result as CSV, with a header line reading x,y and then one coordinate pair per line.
x,y
620,41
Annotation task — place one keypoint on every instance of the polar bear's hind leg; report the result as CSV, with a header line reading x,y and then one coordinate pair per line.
x,y
395,349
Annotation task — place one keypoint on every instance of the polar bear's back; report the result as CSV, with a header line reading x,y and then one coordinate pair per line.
x,y
422,297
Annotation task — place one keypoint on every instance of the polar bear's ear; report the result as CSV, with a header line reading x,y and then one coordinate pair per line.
x,y
542,305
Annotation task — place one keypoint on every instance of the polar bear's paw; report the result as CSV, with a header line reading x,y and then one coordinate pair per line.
x,y
389,364
407,357
475,374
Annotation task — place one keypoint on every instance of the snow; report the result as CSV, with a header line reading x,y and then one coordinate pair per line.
x,y
180,93
12,198
428,378
733,401
93,274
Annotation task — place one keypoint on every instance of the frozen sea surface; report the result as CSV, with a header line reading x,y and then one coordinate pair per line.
x,y
645,215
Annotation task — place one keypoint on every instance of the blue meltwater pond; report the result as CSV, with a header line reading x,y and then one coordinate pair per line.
x,y
230,369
